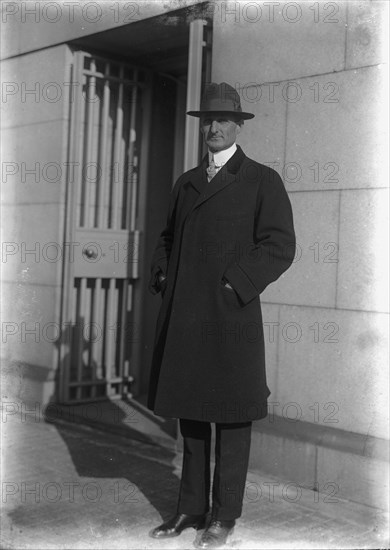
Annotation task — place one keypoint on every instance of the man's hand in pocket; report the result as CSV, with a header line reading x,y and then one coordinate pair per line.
x,y
226,284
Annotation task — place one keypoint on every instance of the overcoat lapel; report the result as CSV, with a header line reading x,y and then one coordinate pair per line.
x,y
198,181
198,176
226,176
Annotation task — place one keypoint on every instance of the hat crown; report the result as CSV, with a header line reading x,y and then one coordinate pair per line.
x,y
220,97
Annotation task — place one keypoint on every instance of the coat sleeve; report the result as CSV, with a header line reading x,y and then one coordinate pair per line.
x,y
163,248
273,248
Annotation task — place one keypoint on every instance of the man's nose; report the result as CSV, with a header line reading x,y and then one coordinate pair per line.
x,y
214,126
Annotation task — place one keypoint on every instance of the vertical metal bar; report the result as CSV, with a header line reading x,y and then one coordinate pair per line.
x,y
103,150
134,193
80,331
130,298
73,337
134,255
133,328
124,186
132,179
73,341
98,328
123,328
87,332
93,335
80,139
117,156
115,355
111,333
131,338
194,81
90,97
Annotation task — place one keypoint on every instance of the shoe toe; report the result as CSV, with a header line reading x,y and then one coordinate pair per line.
x,y
159,533
215,536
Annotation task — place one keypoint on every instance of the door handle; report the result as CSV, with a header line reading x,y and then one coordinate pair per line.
x,y
90,253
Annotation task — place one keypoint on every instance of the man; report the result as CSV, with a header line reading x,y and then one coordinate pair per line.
x,y
229,234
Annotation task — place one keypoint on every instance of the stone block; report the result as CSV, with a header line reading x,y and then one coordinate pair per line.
x,y
332,369
34,163
257,43
33,385
336,138
10,33
362,279
263,138
311,280
366,33
283,458
31,328
33,250
352,477
36,87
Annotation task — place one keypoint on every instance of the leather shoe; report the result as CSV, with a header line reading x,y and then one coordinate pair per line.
x,y
174,526
216,533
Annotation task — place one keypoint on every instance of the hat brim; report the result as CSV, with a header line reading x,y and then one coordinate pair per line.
x,y
239,116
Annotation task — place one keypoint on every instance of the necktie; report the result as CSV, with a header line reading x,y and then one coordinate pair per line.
x,y
211,170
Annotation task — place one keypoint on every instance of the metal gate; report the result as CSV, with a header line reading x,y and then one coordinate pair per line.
x,y
108,129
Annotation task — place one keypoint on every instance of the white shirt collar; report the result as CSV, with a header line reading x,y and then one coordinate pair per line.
x,y
221,157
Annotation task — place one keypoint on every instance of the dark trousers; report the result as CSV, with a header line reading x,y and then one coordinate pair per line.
x,y
232,447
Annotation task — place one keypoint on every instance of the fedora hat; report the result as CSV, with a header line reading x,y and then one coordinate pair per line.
x,y
220,98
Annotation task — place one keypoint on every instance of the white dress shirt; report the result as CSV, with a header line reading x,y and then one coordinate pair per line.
x,y
221,157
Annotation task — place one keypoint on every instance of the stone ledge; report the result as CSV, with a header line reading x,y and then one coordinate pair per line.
x,y
325,436
337,463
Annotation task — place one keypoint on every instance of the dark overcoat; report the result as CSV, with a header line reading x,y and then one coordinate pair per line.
x,y
208,362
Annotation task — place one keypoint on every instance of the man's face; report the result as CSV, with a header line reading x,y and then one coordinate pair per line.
x,y
219,130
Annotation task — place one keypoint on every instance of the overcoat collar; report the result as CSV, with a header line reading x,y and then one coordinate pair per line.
x,y
226,176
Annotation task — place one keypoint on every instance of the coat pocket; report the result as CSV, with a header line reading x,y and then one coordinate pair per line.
x,y
230,296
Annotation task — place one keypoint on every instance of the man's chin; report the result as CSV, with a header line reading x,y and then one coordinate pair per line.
x,y
216,146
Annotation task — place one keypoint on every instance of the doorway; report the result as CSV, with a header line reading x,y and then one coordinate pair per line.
x,y
128,142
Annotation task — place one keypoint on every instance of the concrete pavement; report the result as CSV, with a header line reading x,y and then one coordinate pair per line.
x,y
68,486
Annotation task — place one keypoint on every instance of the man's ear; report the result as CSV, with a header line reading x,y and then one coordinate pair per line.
x,y
238,129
